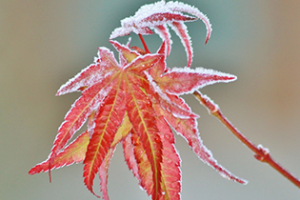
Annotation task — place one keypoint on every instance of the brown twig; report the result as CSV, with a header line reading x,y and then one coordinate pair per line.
x,y
262,154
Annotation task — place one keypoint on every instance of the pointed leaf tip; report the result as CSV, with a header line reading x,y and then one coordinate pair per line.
x,y
185,80
73,153
124,51
181,7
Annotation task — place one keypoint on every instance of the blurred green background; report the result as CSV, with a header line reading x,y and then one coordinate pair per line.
x,y
44,43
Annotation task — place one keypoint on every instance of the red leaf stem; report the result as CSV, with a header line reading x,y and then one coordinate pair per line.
x,y
144,44
262,154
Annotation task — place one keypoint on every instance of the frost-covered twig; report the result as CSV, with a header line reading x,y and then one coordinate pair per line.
x,y
261,153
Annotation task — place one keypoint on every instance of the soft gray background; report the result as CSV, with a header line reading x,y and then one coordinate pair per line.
x,y
44,43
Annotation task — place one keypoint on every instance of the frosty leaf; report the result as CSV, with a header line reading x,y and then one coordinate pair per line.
x,y
73,153
182,81
136,102
187,128
163,32
106,124
140,114
181,30
157,16
81,109
104,64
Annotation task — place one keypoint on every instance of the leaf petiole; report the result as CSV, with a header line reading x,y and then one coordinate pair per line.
x,y
262,154
144,44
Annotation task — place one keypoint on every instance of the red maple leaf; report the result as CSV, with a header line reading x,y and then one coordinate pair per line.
x,y
132,104
135,102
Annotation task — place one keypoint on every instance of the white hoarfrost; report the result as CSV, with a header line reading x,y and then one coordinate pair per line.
x,y
181,30
165,35
156,16
89,75
181,7
202,82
